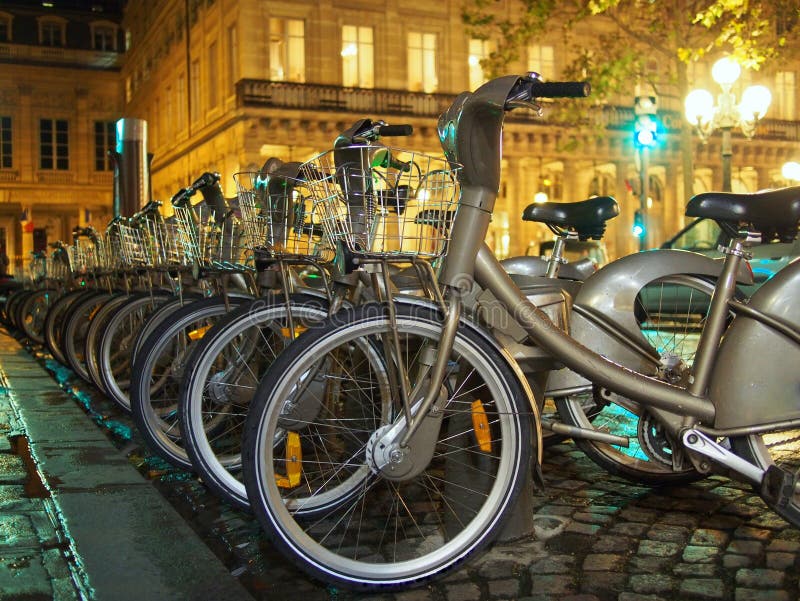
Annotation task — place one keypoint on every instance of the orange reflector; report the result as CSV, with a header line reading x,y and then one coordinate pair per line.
x,y
199,333
286,332
480,423
294,463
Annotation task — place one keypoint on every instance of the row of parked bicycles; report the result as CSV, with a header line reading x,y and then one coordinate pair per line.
x,y
337,349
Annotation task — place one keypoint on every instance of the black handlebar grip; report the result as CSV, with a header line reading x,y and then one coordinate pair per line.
x,y
395,130
560,89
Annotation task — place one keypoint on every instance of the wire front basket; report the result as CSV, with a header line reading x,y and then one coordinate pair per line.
x,y
211,241
277,217
384,202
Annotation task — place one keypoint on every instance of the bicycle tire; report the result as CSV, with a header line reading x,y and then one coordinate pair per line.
x,y
158,371
673,333
114,351
223,372
33,311
54,322
12,307
473,488
76,326
95,333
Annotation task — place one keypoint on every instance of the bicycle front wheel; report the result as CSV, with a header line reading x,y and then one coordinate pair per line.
x,y
325,488
158,372
222,374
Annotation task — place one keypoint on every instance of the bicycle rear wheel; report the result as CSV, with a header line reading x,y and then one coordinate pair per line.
x,y
671,313
339,504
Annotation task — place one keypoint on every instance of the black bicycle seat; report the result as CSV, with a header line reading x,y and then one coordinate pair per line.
x,y
587,217
772,211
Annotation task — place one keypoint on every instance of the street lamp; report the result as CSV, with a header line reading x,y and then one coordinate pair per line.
x,y
701,112
791,171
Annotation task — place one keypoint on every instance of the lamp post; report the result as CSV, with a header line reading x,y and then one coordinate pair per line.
x,y
726,115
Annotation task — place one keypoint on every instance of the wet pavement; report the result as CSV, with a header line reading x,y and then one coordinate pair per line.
x,y
88,513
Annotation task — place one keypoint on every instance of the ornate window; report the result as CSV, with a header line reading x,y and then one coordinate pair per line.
x,y
478,51
5,143
541,59
422,62
52,32
105,139
104,36
287,50
785,95
54,144
358,52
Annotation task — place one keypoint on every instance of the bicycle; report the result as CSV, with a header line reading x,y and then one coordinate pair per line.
x,y
438,427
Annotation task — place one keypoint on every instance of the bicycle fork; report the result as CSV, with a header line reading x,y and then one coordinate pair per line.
x,y
404,448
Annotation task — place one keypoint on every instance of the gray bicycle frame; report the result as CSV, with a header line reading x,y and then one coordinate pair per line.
x,y
471,130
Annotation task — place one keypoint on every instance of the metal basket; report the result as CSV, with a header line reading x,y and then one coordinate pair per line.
x,y
384,202
57,264
83,256
277,218
211,241
160,238
133,246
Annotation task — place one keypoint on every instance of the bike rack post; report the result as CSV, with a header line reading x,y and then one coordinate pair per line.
x,y
132,181
520,523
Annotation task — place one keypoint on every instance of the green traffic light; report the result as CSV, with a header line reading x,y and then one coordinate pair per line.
x,y
645,138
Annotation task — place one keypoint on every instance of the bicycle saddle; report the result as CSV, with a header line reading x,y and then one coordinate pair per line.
x,y
774,213
587,217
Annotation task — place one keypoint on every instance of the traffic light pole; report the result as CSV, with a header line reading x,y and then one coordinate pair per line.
x,y
644,192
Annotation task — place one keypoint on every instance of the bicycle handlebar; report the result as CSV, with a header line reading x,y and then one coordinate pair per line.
x,y
394,130
207,180
470,130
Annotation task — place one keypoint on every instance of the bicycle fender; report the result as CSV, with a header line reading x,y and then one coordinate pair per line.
x,y
603,319
532,396
755,379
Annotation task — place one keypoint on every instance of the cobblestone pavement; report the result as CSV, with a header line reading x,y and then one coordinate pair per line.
x,y
597,537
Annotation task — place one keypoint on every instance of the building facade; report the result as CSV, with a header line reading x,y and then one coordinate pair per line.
x,y
226,84
60,96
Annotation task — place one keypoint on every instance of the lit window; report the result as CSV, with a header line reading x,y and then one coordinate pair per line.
x,y
357,57
541,60
287,53
784,99
51,33
105,139
478,51
5,143
422,62
54,144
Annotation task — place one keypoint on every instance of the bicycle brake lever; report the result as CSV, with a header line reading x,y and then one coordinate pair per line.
x,y
524,104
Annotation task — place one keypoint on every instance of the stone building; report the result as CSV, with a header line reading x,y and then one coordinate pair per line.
x,y
225,84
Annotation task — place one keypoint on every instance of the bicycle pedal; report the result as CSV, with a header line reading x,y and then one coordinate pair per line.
x,y
778,486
